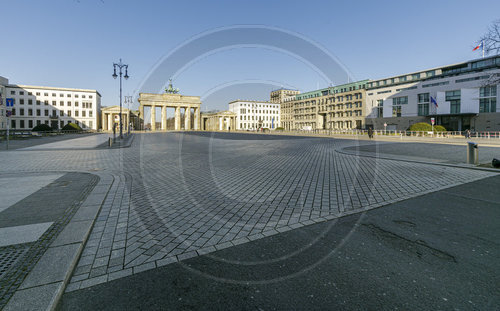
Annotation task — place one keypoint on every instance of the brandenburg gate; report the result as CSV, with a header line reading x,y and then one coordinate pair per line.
x,y
176,101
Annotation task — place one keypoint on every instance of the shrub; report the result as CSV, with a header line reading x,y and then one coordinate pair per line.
x,y
439,128
420,127
42,128
72,127
279,129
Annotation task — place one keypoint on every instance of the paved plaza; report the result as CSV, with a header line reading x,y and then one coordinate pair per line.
x,y
171,197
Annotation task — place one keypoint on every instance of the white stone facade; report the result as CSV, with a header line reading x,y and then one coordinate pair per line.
x,y
53,106
251,115
463,102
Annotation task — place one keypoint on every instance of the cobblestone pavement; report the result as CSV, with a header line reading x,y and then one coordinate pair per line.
x,y
177,196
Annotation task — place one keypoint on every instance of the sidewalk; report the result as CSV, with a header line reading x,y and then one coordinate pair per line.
x,y
43,226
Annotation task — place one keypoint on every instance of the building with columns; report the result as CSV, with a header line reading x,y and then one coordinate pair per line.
x,y
252,114
190,105
110,116
218,121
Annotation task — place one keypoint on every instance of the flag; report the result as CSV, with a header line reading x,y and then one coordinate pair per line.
x,y
479,46
434,102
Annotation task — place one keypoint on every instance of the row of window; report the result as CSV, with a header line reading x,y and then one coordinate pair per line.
x,y
54,113
30,124
245,111
13,92
265,118
86,105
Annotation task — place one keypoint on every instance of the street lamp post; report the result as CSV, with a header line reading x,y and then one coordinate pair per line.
x,y
120,65
128,101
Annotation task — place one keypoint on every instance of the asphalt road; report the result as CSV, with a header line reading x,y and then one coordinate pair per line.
x,y
434,252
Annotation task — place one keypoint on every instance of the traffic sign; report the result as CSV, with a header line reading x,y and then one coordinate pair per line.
x,y
9,102
432,121
385,124
9,113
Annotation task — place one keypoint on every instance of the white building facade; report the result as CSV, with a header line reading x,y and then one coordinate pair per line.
x,y
251,115
465,95
56,107
3,116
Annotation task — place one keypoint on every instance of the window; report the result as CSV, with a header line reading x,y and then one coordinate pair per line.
x,y
423,109
29,93
46,94
396,111
46,112
415,76
46,102
37,93
21,112
76,95
68,104
76,113
402,79
90,96
21,93
68,95
429,74
30,112
488,99
423,104
53,94
61,95
423,98
21,101
38,102
403,100
38,112
83,113
454,98
90,113
69,113
61,113
61,103
12,92
30,124
13,122
380,108
21,124
30,101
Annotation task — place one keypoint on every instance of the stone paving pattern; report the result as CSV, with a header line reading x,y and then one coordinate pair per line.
x,y
176,196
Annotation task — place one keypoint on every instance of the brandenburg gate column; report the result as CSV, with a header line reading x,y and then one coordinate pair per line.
x,y
141,116
197,118
110,122
187,119
163,118
153,118
104,121
177,118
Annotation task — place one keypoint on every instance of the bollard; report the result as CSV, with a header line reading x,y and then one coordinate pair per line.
x,y
472,153
110,142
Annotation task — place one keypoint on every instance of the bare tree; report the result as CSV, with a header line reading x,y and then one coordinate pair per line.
x,y
491,45
491,39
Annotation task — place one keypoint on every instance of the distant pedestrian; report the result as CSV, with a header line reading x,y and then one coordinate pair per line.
x,y
370,133
467,133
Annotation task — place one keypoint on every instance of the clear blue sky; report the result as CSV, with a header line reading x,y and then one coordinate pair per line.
x,y
74,43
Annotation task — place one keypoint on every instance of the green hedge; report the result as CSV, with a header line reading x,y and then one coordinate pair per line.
x,y
420,127
426,127
42,128
72,127
279,129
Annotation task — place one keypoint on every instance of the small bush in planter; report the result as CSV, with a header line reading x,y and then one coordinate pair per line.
x,y
71,127
42,128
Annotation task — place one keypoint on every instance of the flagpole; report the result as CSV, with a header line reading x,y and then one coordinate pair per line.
x,y
482,43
